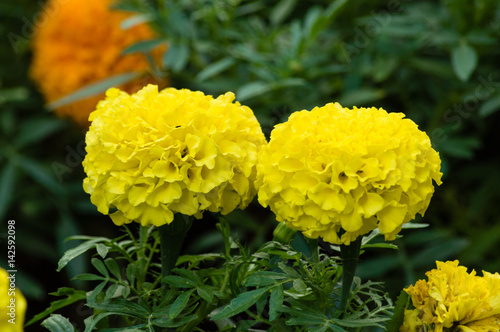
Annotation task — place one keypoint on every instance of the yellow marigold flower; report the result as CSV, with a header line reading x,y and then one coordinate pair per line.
x,y
12,305
454,300
78,42
336,170
152,154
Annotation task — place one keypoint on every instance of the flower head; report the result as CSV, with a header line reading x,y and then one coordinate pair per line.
x,y
12,305
453,299
152,154
78,42
336,170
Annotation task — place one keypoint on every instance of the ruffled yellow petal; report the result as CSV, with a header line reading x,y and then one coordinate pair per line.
x,y
156,153
363,168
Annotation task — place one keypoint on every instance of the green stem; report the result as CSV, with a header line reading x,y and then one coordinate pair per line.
x,y
171,239
350,258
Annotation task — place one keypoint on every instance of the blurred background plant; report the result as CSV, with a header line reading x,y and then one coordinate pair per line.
x,y
436,61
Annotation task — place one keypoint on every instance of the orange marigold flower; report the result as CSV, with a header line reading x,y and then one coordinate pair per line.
x,y
78,42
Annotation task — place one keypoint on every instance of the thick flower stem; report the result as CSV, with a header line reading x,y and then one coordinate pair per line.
x,y
171,239
350,258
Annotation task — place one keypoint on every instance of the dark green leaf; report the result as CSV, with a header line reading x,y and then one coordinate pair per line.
x,y
241,303
131,271
172,323
179,282
77,251
180,303
122,307
275,302
399,312
113,268
58,323
256,280
97,290
99,265
206,292
110,292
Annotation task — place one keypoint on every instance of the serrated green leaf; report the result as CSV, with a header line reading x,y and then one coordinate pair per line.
x,y
131,271
275,302
72,296
241,303
97,290
305,321
77,251
464,60
399,312
102,250
94,89
169,323
113,268
121,307
110,292
58,323
180,303
206,292
99,265
257,280
179,282
299,286
288,270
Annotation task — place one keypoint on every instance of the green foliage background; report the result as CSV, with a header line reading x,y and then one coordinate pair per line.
x,y
436,61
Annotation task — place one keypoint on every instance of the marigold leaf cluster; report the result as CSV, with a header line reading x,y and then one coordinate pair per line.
x,y
152,154
453,300
78,42
339,173
12,305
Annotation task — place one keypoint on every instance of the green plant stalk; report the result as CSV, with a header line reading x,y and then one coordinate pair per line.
x,y
350,259
171,239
